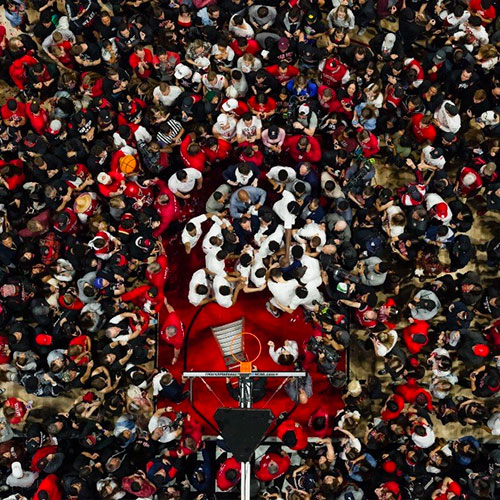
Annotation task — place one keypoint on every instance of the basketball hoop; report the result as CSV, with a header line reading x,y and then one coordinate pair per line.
x,y
245,366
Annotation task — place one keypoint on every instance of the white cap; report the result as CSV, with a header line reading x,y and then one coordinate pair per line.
x,y
17,470
182,71
304,109
230,105
202,62
231,92
469,179
55,126
222,120
196,78
104,178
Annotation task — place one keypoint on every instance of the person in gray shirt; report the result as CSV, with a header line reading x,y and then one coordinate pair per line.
x,y
374,271
425,305
262,17
218,200
245,199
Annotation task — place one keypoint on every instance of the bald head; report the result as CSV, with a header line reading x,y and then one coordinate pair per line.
x,y
243,196
340,225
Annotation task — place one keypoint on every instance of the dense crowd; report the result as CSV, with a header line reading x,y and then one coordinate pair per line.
x,y
258,133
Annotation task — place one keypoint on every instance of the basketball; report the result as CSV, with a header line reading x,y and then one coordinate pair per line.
x,y
127,164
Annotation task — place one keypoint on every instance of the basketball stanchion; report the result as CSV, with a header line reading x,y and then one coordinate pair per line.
x,y
235,424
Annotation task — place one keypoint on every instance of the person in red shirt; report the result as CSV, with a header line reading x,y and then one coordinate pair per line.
x,y
484,9
172,331
272,466
241,45
262,105
79,350
292,434
13,113
50,487
368,143
318,424
15,411
334,72
446,487
229,474
11,174
166,205
422,128
411,392
302,148
216,150
37,116
283,72
327,98
390,489
415,336
141,61
392,407
111,184
192,154
158,271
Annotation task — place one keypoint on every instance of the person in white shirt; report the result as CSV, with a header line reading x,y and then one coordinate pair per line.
x,y
306,296
258,272
249,128
215,262
199,288
472,34
166,94
312,273
213,240
282,290
183,182
447,118
225,128
213,81
192,232
438,208
432,158
225,291
287,209
272,243
312,233
240,27
286,355
280,176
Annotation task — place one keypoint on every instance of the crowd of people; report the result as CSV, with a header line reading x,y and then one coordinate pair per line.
x,y
261,130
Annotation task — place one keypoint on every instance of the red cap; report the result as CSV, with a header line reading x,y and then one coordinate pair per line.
x,y
43,339
441,209
389,466
481,350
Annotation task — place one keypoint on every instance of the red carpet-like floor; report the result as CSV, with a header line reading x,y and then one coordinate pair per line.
x,y
204,352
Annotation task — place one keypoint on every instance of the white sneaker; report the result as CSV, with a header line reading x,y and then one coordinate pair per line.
x,y
271,310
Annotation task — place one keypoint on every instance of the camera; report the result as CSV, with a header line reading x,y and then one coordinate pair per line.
x,y
339,274
179,420
316,346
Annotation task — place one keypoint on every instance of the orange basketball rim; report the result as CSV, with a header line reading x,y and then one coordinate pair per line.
x,y
245,366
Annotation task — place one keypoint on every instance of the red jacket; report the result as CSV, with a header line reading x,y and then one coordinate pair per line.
x,y
391,415
49,484
417,327
411,390
312,156
262,471
291,426
222,153
159,278
322,433
169,212
196,161
223,483
41,453
333,72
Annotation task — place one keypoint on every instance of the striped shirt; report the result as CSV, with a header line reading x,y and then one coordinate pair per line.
x,y
169,132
